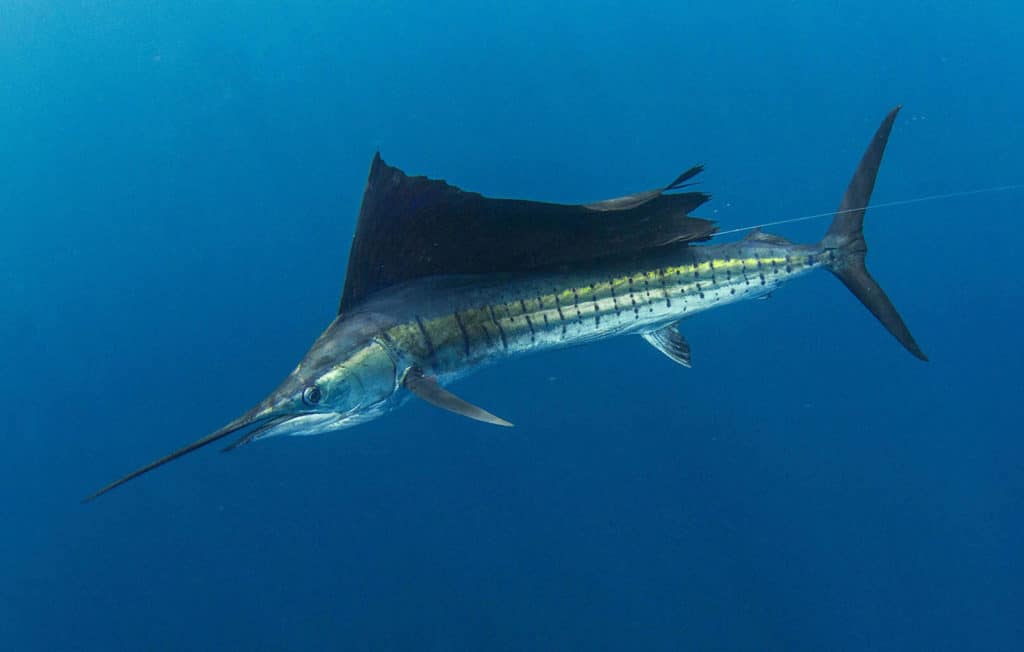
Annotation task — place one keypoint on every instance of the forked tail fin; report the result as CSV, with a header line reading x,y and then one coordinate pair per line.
x,y
845,246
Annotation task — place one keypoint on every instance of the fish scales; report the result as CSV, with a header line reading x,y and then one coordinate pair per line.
x,y
546,311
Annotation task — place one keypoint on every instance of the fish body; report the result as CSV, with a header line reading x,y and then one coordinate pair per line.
x,y
455,325
443,282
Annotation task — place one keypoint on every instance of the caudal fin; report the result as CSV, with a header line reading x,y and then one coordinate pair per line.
x,y
845,246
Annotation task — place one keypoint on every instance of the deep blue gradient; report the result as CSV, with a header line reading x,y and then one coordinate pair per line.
x,y
179,188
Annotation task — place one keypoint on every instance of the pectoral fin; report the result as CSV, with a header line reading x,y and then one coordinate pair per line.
x,y
428,390
671,342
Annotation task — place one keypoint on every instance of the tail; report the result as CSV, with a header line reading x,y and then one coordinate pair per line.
x,y
845,246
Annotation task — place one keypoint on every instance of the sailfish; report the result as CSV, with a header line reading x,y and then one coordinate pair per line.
x,y
442,282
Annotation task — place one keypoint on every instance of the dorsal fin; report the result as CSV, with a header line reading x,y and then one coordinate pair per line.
x,y
414,227
757,235
640,198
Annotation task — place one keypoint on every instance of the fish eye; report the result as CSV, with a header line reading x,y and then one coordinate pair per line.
x,y
311,395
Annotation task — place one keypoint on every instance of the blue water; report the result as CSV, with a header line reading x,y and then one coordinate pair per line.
x,y
179,188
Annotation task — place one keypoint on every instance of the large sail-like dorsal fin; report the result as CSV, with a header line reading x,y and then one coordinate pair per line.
x,y
414,227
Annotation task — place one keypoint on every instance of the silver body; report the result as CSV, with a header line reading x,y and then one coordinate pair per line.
x,y
453,326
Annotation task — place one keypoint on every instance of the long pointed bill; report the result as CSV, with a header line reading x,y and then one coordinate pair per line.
x,y
258,414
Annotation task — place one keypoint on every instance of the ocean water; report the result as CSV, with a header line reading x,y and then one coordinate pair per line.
x,y
180,182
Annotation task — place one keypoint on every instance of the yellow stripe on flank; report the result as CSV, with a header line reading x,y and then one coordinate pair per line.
x,y
599,304
706,267
729,263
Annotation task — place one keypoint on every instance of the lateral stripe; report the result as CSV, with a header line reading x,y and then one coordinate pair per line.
x,y
426,336
465,335
501,331
660,291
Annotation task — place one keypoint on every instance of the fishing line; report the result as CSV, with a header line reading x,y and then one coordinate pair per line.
x,y
901,202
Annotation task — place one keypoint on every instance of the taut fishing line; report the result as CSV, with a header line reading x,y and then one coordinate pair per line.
x,y
889,204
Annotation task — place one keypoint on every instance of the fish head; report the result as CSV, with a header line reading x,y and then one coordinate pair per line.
x,y
347,377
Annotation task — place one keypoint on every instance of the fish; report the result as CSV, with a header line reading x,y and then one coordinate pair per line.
x,y
443,282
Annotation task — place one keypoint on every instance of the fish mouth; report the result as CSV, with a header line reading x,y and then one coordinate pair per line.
x,y
254,434
294,425
301,424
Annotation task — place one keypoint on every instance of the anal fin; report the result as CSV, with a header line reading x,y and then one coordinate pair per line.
x,y
430,391
671,342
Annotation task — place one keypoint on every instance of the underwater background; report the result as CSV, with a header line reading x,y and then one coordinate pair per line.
x,y
179,183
